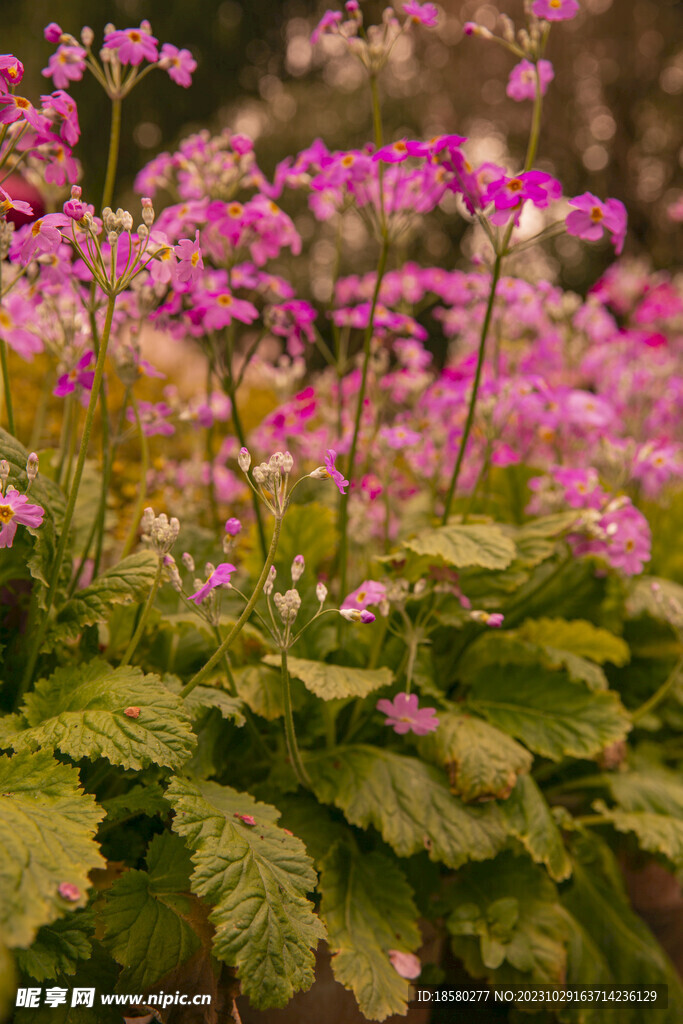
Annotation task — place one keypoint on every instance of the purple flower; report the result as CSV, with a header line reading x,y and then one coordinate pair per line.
x,y
52,32
592,216
404,715
15,509
133,45
233,527
333,472
219,577
522,81
78,376
555,10
369,592
421,13
179,63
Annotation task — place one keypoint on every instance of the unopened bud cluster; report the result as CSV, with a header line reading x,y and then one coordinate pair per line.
x,y
159,532
270,478
288,605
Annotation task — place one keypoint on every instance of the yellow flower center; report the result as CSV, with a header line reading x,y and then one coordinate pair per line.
x,y
194,259
225,300
6,514
134,37
596,214
556,4
515,185
5,319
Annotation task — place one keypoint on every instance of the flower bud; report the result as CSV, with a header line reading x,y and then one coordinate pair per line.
x,y
87,36
4,470
268,585
32,467
321,592
244,460
298,566
233,527
147,211
188,561
287,462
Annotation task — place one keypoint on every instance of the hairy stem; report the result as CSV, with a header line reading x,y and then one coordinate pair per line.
x,y
290,734
140,628
113,155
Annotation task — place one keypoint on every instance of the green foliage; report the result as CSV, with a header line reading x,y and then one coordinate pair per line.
x,y
408,802
256,878
81,712
47,827
578,637
147,915
529,819
547,712
59,947
485,546
332,682
260,689
368,909
656,833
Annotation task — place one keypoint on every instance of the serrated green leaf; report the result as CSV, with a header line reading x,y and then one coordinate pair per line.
x,y
654,790
482,762
367,906
332,682
313,824
58,947
80,711
482,545
549,714
578,637
130,580
656,833
148,799
203,697
47,825
98,972
528,819
146,915
261,690
506,923
408,802
256,878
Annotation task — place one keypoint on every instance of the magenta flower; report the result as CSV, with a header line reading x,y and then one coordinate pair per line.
x,y
394,153
61,104
406,964
404,715
11,71
65,65
14,108
133,45
8,203
328,23
354,615
421,13
190,259
369,592
492,619
52,32
179,63
78,376
233,527
333,472
555,10
43,236
509,194
221,308
218,578
592,216
522,81
15,509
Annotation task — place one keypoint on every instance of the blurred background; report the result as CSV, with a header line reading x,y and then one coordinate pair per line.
x,y
613,117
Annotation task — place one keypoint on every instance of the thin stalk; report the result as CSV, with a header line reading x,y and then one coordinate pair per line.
x,y
658,696
241,437
37,640
290,734
535,132
39,420
4,368
142,493
475,388
249,607
135,639
113,156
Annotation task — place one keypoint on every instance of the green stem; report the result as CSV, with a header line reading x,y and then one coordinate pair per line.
x,y
6,386
241,437
113,155
142,494
135,639
475,388
535,132
249,607
37,640
659,695
376,113
592,819
290,734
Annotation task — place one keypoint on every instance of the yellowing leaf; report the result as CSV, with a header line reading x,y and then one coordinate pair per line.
x,y
485,546
330,682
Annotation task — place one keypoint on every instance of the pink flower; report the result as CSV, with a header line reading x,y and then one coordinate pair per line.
x,y
492,619
399,437
405,964
333,472
354,615
394,153
15,509
403,715
220,308
133,45
11,71
190,259
327,24
522,81
78,376
154,418
179,63
219,577
509,194
62,105
369,592
555,10
14,108
69,891
52,32
233,527
421,14
8,203
43,236
65,65
592,216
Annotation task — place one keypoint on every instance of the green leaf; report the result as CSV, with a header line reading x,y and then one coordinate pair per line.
x,y
261,690
203,697
595,897
655,790
549,714
485,546
146,915
656,833
98,972
331,682
47,825
506,923
368,908
148,799
577,636
256,878
482,762
8,986
529,819
58,947
80,711
313,824
130,580
408,802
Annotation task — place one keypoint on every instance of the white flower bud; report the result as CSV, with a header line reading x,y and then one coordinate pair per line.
x,y
287,462
4,469
188,561
87,36
298,566
321,592
244,460
32,467
268,585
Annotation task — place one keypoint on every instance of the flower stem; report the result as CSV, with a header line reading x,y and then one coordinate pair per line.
x,y
142,494
249,607
113,155
9,410
658,696
140,628
535,132
290,734
475,389
37,640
